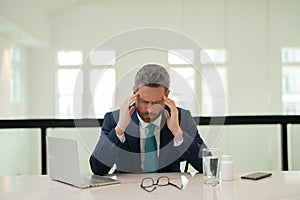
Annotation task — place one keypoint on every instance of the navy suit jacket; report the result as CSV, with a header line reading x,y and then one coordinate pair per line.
x,y
110,150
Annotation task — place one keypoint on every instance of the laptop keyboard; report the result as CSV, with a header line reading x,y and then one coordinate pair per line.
x,y
103,179
94,180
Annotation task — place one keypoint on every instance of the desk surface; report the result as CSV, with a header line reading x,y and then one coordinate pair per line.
x,y
281,185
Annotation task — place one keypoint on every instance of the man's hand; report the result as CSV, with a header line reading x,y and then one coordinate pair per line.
x,y
172,118
125,114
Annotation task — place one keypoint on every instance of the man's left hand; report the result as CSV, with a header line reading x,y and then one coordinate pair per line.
x,y
172,118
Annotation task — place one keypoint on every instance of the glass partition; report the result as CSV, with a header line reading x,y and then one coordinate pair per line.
x,y
20,152
294,146
86,141
253,147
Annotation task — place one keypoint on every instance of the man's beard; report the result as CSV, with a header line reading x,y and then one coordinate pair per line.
x,y
150,117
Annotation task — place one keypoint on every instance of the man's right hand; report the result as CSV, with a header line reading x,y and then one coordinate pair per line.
x,y
125,114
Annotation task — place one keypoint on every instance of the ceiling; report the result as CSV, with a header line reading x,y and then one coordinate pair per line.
x,y
15,16
23,20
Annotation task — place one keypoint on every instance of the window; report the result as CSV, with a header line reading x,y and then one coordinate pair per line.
x,y
69,58
212,56
103,58
86,92
181,57
183,88
290,55
213,61
208,92
291,90
67,80
15,77
15,86
15,54
102,85
290,58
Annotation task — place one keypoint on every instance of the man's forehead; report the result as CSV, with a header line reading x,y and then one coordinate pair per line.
x,y
152,90
151,98
151,86
151,95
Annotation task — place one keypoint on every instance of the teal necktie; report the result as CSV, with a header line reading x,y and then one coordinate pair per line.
x,y
150,151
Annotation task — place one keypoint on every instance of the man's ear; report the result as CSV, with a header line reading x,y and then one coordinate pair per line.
x,y
134,90
167,93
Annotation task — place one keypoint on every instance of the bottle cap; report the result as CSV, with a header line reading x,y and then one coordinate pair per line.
x,y
227,157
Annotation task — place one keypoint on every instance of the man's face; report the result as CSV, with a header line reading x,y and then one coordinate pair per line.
x,y
150,103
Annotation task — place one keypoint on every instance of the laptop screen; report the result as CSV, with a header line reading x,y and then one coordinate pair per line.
x,y
63,161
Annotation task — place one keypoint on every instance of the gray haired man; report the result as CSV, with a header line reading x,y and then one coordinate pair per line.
x,y
125,140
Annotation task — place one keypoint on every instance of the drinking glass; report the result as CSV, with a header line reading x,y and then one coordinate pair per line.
x,y
211,166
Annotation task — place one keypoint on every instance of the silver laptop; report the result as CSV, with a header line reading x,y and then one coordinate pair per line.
x,y
63,163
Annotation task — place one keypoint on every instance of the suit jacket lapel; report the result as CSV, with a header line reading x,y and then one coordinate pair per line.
x,y
165,134
133,139
133,134
166,141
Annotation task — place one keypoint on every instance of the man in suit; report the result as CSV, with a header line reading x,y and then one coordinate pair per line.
x,y
148,133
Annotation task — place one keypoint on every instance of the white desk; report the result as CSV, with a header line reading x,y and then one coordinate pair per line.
x,y
281,185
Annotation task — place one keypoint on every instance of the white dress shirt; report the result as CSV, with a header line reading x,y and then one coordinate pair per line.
x,y
143,133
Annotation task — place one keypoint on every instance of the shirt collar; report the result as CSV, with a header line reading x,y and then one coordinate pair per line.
x,y
145,124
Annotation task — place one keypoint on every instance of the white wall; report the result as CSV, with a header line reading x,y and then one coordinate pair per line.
x,y
248,65
19,148
41,83
26,22
253,33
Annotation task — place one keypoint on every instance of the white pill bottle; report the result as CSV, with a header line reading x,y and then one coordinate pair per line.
x,y
227,168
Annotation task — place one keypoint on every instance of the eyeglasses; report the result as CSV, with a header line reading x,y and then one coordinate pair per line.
x,y
149,184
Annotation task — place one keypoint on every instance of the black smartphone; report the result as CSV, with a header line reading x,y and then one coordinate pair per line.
x,y
256,175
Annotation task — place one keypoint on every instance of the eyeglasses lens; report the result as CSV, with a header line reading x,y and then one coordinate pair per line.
x,y
162,181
